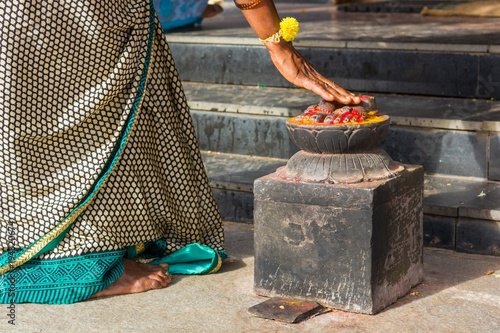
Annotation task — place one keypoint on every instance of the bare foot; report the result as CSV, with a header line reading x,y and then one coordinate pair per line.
x,y
137,278
211,11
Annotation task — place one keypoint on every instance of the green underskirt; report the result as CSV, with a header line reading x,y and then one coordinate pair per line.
x,y
70,280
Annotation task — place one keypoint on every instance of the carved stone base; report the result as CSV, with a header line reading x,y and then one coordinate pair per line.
x,y
353,247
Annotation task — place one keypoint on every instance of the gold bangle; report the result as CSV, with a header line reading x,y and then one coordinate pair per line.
x,y
248,5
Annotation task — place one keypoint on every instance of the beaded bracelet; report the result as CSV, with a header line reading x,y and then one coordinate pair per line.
x,y
248,5
289,28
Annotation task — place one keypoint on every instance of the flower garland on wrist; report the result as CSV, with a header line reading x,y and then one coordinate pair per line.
x,y
289,28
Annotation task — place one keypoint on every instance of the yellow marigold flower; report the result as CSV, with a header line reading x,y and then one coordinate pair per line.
x,y
290,28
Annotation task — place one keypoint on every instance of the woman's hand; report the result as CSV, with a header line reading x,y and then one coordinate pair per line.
x,y
265,21
300,72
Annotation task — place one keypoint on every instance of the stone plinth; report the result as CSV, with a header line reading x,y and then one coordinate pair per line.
x,y
353,247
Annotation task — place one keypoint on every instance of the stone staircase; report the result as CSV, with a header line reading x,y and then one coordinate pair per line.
x,y
438,79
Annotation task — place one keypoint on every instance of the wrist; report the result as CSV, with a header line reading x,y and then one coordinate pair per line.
x,y
282,45
287,31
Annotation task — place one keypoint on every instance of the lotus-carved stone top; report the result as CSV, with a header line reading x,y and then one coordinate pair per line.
x,y
338,151
339,139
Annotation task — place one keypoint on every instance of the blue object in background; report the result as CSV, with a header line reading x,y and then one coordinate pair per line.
x,y
178,13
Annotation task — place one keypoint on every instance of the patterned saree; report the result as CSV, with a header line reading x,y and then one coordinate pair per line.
x,y
98,155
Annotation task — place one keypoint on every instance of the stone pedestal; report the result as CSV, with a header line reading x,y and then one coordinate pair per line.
x,y
353,247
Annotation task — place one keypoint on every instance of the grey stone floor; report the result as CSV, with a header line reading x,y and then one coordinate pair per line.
x,y
461,293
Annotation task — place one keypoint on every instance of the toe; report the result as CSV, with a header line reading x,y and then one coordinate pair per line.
x,y
154,284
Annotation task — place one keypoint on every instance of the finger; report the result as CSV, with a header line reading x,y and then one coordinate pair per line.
x,y
327,89
342,95
330,91
309,78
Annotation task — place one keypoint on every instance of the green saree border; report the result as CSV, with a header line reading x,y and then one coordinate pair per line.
x,y
61,281
15,258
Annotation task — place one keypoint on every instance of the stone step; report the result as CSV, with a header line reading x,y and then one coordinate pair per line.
x,y
436,77
448,136
231,178
399,6
376,52
460,213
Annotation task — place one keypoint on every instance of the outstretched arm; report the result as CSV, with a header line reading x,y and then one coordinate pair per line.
x,y
264,20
